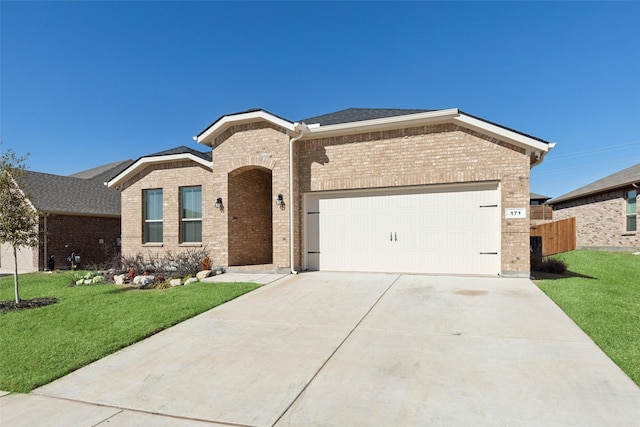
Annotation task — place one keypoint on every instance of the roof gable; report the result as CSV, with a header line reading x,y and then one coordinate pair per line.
x,y
182,150
623,178
358,120
176,154
207,136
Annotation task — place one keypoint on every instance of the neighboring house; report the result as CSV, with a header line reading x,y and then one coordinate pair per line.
x,y
78,214
538,199
606,211
380,190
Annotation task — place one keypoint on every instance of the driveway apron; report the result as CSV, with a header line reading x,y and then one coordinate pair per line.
x,y
337,349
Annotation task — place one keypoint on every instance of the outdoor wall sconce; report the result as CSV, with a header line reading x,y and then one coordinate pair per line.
x,y
279,200
219,204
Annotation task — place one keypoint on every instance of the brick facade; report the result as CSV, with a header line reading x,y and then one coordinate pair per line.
x,y
251,167
170,177
600,221
441,154
259,147
250,217
94,238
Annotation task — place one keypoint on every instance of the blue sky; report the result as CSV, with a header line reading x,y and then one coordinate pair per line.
x,y
88,83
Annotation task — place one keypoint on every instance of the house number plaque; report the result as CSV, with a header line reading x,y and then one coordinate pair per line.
x,y
515,213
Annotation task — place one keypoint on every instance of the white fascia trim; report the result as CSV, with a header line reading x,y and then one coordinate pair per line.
x,y
501,133
385,123
235,119
146,161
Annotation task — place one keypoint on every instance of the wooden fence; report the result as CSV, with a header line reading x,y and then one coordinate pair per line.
x,y
541,212
557,236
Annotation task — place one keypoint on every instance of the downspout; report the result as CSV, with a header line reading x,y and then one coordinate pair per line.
x,y
302,129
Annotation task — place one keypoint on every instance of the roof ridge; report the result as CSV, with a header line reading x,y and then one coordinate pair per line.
x,y
356,114
98,170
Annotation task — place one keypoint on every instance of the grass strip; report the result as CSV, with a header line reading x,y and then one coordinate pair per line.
x,y
87,323
606,304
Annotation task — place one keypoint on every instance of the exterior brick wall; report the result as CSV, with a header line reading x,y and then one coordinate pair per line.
x,y
418,156
81,235
244,157
600,221
255,146
170,177
250,213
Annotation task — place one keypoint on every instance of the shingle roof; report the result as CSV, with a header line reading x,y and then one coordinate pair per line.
x,y
623,178
505,127
359,114
75,195
182,150
534,196
94,172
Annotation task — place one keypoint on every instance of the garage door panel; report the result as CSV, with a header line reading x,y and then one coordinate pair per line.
x,y
451,230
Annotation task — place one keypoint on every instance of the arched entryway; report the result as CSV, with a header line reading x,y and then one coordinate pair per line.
x,y
250,216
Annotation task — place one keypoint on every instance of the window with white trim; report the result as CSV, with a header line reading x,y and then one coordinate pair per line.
x,y
152,205
632,210
191,214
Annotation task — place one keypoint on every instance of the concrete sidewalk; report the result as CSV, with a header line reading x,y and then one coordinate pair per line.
x,y
259,278
352,349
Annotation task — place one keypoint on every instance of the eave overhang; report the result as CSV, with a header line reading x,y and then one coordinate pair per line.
x,y
534,147
208,135
382,124
144,162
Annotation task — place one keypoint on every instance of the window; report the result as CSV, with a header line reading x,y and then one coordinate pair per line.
x,y
632,210
191,214
152,200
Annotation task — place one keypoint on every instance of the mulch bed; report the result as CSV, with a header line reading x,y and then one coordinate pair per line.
x,y
6,306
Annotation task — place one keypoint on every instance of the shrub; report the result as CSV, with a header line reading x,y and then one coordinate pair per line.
x,y
552,265
162,285
178,264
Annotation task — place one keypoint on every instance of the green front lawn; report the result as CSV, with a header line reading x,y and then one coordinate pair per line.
x,y
606,305
89,322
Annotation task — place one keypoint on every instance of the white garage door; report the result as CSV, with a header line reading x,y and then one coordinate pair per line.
x,y
446,230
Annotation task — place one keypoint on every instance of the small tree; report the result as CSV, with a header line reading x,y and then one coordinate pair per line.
x,y
18,218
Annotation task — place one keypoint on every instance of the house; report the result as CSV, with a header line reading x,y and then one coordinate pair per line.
x,y
605,210
380,190
538,199
77,214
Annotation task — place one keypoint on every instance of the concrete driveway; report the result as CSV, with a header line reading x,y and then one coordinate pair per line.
x,y
337,349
